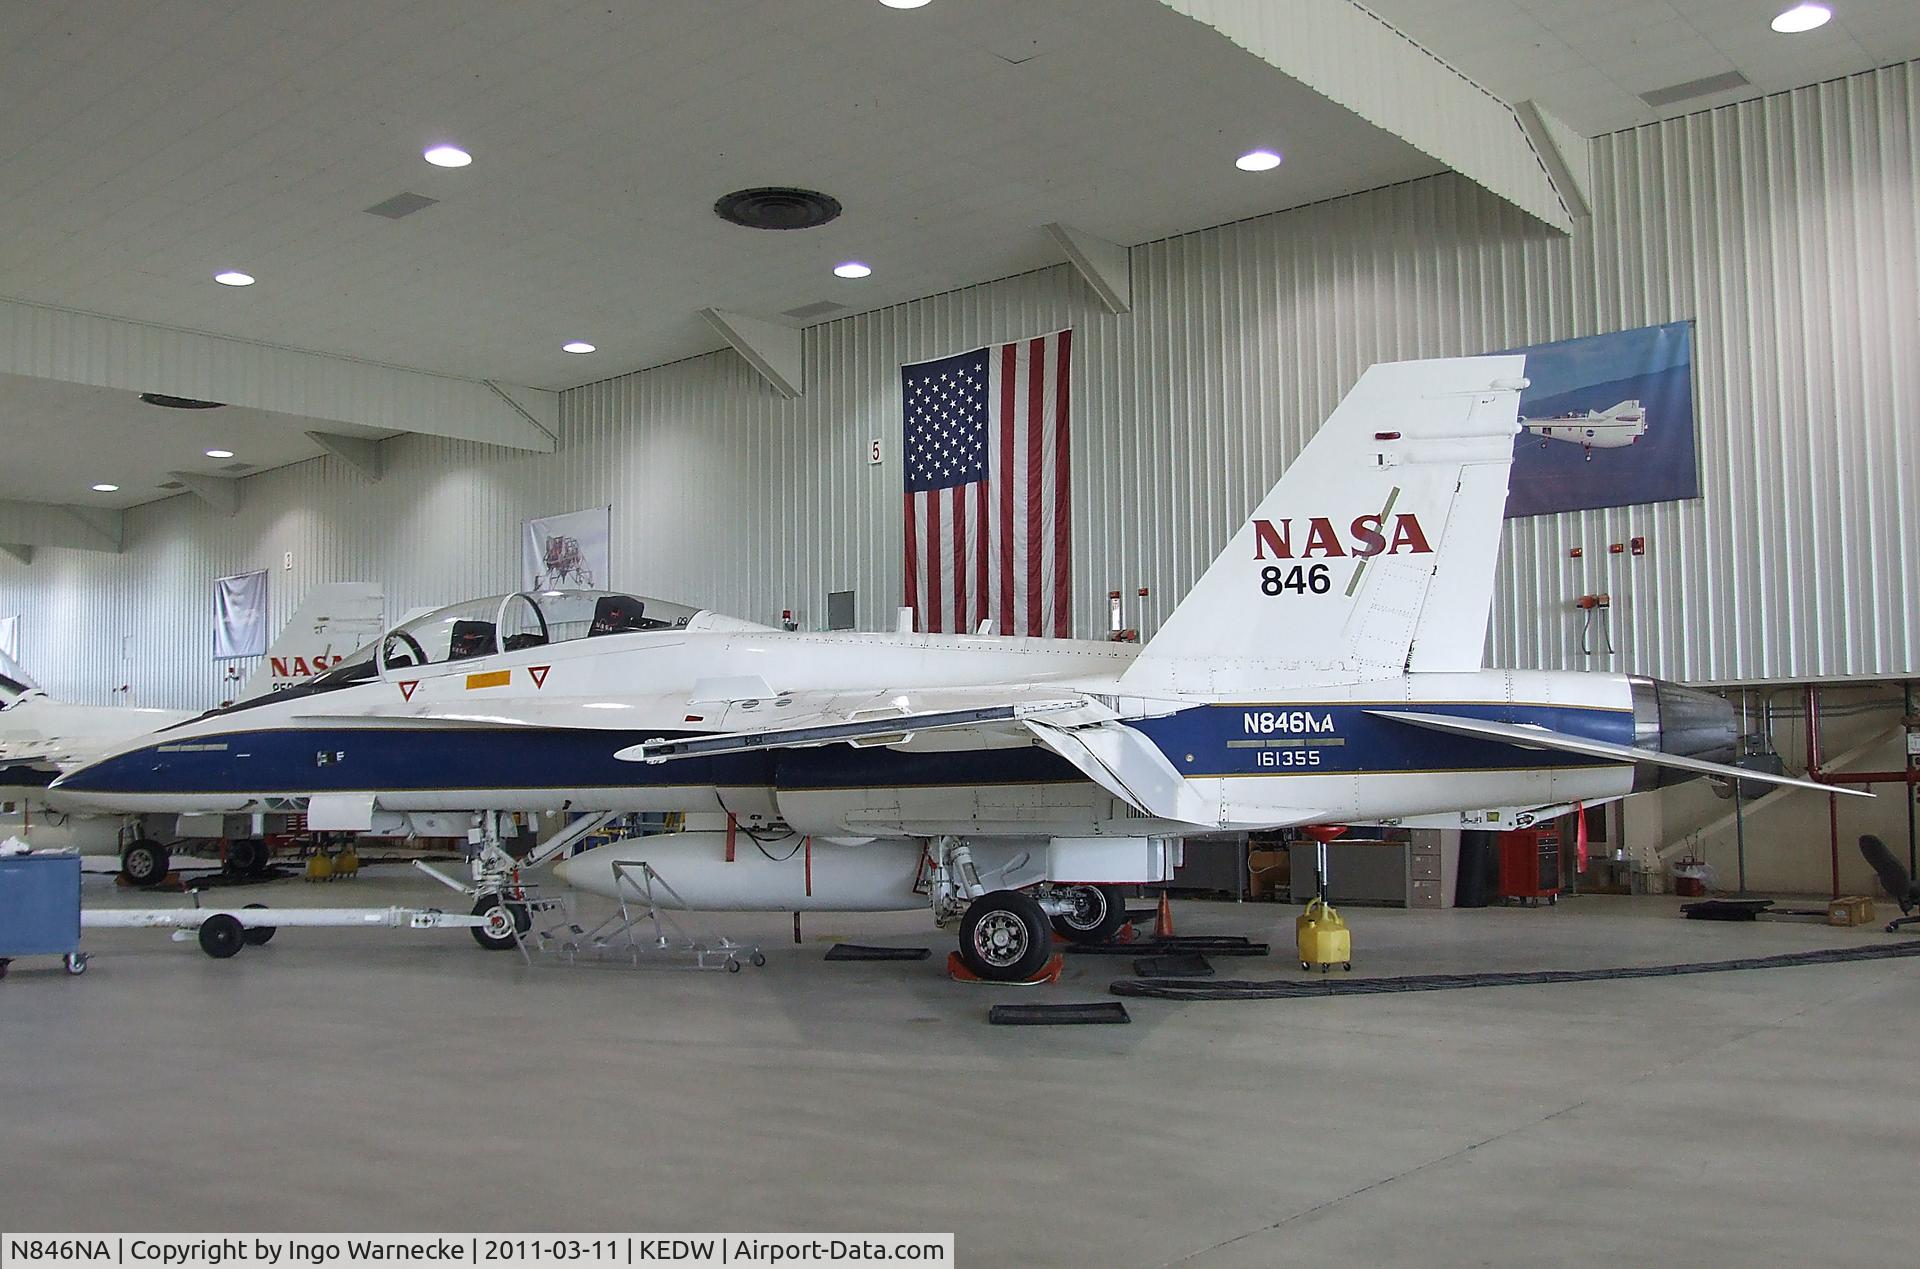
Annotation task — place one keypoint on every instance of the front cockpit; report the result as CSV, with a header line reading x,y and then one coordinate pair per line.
x,y
478,628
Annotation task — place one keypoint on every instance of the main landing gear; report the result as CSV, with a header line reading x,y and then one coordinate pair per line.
x,y
144,863
1006,936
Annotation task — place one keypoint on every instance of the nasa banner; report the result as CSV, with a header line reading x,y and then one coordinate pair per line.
x,y
240,616
1606,421
567,552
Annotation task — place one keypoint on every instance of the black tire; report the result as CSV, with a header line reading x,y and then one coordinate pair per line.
x,y
1100,912
222,935
247,857
1004,937
500,941
145,863
260,935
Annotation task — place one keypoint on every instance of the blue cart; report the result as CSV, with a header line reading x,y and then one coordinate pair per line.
x,y
40,908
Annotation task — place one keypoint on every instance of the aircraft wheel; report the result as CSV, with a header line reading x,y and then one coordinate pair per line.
x,y
222,935
145,863
1099,913
247,857
1004,937
260,935
497,935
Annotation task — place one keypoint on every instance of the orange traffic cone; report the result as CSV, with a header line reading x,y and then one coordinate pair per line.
x,y
1163,919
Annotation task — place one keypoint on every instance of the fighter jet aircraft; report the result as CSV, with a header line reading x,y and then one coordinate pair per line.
x,y
1613,428
41,736
1326,669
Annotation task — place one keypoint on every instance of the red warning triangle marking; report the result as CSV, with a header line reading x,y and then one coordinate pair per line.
x,y
406,688
539,673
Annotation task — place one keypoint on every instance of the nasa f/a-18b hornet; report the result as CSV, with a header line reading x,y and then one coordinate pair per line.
x,y
1616,427
41,736
1326,669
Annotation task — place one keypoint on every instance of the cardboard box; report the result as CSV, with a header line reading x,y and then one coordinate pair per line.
x,y
1268,871
1851,909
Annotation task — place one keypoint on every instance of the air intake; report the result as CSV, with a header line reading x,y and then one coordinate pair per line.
x,y
1695,88
777,207
401,205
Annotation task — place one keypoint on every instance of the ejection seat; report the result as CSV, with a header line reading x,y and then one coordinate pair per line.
x,y
470,639
617,614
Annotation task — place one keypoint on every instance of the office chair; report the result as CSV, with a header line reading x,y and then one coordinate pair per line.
x,y
1905,890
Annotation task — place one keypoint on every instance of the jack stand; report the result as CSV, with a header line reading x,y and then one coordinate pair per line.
x,y
1050,972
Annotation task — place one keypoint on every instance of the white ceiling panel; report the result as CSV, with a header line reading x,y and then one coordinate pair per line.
x,y
1589,62
147,144
61,439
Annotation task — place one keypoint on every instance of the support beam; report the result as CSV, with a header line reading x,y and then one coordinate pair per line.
x,y
1106,266
19,551
222,493
47,342
774,351
38,524
356,452
1563,152
1353,58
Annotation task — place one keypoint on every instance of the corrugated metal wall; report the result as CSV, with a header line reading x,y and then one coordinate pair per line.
x,y
1787,227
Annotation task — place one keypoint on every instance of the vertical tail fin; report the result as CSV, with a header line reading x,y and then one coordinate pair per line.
x,y
331,624
1375,553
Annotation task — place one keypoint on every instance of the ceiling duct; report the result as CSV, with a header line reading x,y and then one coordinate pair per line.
x,y
777,207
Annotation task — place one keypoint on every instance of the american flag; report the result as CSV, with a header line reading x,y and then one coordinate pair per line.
x,y
988,524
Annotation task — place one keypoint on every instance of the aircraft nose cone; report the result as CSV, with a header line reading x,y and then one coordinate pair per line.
x,y
562,870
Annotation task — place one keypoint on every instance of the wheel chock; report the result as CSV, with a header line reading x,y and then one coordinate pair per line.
x,y
1050,972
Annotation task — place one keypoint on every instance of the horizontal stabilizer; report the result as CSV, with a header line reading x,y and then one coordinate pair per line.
x,y
1530,737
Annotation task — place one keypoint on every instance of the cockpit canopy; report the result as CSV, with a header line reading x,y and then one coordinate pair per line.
x,y
529,619
508,623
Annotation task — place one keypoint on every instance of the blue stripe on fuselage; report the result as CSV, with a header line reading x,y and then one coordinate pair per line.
x,y
1228,740
1209,740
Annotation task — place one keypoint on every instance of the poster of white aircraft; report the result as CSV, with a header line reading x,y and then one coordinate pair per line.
x,y
1612,428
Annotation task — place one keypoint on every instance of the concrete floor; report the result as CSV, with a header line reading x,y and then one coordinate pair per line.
x,y
372,1080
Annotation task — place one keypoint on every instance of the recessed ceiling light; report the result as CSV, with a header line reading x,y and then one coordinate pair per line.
x,y
1802,17
233,277
576,346
219,453
447,156
851,269
105,488
905,4
1258,161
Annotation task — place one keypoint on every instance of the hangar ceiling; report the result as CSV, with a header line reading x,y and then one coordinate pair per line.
x,y
1588,63
152,143
63,438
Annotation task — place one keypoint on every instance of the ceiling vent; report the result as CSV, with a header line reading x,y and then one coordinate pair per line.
x,y
777,207
401,205
237,468
179,403
1695,88
819,308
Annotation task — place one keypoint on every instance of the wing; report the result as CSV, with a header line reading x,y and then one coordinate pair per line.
x,y
1528,737
869,719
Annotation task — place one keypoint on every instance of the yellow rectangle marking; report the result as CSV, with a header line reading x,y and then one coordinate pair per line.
x,y
491,678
